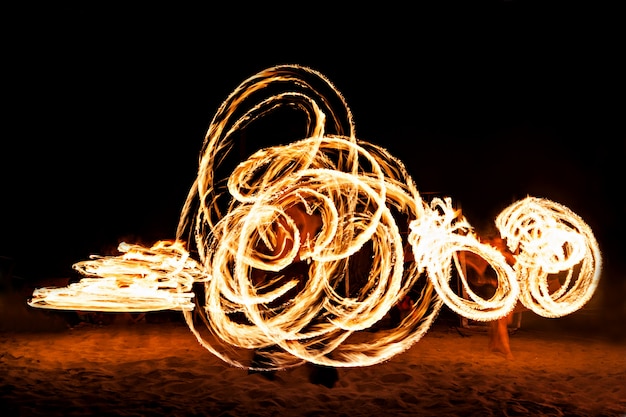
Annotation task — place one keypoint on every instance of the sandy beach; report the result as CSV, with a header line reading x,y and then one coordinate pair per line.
x,y
563,367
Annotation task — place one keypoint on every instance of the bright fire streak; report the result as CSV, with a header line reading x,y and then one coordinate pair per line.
x,y
142,279
248,228
552,242
436,237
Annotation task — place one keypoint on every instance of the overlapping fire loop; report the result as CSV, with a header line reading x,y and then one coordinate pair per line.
x,y
379,241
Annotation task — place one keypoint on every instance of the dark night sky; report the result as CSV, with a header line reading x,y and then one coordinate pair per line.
x,y
485,103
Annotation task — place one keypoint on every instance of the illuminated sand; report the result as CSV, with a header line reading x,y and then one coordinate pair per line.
x,y
160,370
364,197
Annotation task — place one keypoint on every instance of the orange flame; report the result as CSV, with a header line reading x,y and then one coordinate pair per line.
x,y
363,197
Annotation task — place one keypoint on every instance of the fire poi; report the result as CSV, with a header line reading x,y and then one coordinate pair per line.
x,y
230,268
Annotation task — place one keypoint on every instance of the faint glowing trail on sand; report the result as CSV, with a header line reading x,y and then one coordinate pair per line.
x,y
239,234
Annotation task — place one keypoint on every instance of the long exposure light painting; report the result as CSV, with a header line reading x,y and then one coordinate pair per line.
x,y
375,241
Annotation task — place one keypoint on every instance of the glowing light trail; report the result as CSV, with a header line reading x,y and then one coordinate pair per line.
x,y
552,241
300,248
141,279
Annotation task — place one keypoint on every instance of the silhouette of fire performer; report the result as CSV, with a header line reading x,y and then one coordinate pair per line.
x,y
483,281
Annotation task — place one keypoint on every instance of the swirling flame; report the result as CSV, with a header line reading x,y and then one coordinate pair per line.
x,y
378,242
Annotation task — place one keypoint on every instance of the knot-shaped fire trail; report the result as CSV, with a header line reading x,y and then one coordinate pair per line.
x,y
331,205
551,241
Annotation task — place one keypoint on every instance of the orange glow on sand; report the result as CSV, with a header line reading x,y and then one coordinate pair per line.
x,y
241,226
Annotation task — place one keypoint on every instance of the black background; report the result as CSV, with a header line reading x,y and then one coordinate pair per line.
x,y
485,102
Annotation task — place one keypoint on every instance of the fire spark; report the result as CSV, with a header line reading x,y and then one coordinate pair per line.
x,y
303,247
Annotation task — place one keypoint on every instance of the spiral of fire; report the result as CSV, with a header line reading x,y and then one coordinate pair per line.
x,y
299,250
